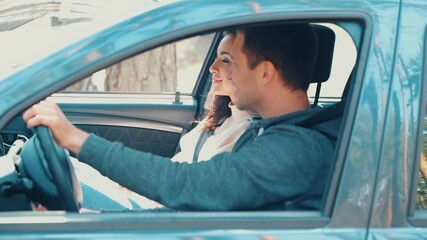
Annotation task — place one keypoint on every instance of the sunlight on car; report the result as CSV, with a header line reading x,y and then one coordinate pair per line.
x,y
30,31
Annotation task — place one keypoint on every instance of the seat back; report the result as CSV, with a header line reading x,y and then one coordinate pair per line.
x,y
325,52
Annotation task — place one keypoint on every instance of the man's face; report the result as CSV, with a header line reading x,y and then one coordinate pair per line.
x,y
244,79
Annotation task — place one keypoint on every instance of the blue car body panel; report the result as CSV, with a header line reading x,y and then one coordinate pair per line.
x,y
371,194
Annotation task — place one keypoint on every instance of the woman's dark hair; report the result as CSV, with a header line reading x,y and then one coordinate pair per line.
x,y
219,109
217,112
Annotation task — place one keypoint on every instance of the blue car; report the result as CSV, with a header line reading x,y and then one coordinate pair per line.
x,y
143,81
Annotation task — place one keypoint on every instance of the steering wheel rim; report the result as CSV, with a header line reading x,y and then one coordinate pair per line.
x,y
49,165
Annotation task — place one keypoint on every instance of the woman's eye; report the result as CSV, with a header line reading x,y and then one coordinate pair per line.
x,y
225,60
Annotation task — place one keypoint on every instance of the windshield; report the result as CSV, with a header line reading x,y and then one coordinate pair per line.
x,y
32,29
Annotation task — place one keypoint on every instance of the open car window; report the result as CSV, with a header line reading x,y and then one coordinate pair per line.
x,y
176,66
170,68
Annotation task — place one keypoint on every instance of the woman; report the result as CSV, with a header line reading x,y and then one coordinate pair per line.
x,y
224,123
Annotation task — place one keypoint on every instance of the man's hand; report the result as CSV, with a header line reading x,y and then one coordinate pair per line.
x,y
64,132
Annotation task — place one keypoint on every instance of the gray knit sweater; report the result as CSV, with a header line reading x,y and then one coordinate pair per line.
x,y
274,165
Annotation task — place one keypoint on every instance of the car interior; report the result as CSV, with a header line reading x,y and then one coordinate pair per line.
x,y
34,170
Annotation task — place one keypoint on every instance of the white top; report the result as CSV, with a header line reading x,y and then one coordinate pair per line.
x,y
223,138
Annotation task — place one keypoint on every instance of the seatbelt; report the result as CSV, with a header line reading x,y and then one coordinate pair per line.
x,y
202,139
329,113
2,150
333,112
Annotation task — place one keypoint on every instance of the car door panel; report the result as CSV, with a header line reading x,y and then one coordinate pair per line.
x,y
144,123
148,123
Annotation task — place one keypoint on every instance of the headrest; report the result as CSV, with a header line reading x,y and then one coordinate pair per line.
x,y
325,52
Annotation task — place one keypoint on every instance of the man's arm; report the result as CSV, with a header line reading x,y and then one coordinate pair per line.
x,y
275,168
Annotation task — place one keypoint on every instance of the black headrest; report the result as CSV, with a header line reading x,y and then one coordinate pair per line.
x,y
325,52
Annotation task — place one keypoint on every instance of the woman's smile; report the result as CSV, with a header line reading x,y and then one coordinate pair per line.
x,y
216,80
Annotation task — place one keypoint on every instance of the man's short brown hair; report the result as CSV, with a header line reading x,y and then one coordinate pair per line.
x,y
291,48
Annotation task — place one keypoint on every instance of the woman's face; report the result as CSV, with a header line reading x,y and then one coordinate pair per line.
x,y
220,84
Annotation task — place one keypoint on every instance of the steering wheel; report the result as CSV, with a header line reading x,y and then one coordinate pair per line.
x,y
55,183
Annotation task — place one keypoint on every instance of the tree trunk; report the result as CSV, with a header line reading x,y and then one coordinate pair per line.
x,y
154,71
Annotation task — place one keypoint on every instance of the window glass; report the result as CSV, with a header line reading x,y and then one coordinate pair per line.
x,y
168,68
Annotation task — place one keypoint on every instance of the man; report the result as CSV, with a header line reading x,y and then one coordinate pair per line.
x,y
276,164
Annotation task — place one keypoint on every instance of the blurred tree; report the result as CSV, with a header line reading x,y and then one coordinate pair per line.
x,y
152,71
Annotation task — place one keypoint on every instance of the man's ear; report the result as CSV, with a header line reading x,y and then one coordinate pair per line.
x,y
269,72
